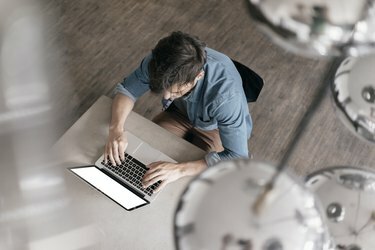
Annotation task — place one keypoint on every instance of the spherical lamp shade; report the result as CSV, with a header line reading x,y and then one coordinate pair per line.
x,y
354,95
318,28
215,212
348,197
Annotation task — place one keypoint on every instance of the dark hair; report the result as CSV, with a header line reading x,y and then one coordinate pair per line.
x,y
176,59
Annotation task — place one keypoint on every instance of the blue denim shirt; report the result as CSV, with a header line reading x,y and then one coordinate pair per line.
x,y
217,101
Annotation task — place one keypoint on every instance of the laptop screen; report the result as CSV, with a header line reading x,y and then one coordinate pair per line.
x,y
109,187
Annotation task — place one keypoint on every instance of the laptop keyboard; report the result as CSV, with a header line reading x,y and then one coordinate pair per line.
x,y
132,171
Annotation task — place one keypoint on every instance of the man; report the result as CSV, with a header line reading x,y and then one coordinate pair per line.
x,y
203,102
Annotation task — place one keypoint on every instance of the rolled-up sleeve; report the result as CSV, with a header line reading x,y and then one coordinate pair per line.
x,y
235,125
137,83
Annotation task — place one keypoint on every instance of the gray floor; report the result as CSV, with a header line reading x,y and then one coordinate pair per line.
x,y
100,42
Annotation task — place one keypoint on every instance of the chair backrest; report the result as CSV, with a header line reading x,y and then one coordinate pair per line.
x,y
252,83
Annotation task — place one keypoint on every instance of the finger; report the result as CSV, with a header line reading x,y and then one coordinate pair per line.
x,y
150,175
152,181
121,150
149,181
160,187
111,157
105,155
116,153
125,147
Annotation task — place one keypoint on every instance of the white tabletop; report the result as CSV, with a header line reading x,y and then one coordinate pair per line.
x,y
149,227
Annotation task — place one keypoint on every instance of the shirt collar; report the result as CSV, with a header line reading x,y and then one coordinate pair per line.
x,y
195,94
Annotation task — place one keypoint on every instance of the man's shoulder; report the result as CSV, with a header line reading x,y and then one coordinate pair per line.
x,y
220,71
216,56
220,64
224,84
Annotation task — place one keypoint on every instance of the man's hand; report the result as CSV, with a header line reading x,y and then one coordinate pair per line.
x,y
115,147
168,172
162,171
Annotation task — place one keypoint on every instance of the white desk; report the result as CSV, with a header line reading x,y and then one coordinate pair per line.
x,y
149,227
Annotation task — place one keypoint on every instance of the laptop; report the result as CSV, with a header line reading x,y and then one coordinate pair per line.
x,y
122,184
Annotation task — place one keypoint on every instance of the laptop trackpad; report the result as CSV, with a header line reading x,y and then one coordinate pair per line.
x,y
146,154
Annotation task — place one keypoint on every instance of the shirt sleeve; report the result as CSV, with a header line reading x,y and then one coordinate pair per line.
x,y
137,83
235,125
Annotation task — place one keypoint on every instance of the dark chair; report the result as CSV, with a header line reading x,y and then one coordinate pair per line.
x,y
252,83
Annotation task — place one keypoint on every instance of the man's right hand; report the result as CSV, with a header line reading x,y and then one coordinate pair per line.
x,y
115,147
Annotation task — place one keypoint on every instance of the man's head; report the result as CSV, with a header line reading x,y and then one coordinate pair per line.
x,y
177,61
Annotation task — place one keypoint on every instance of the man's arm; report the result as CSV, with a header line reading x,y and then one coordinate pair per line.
x,y
117,141
133,86
235,125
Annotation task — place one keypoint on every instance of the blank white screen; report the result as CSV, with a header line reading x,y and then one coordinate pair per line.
x,y
110,187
